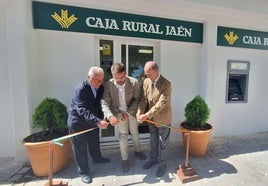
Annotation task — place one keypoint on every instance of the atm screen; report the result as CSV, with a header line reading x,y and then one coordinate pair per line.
x,y
235,92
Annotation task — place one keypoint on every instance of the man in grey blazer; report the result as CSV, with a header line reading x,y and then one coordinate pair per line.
x,y
155,104
119,104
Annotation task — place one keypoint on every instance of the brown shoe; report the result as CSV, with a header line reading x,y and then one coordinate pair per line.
x,y
125,165
140,155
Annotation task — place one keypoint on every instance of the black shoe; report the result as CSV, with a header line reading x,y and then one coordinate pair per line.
x,y
161,170
125,165
101,160
149,164
140,155
86,179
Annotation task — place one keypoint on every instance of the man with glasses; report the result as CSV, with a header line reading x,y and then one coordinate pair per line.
x,y
84,113
119,104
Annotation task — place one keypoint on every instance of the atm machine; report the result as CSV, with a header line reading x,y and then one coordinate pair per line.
x,y
237,81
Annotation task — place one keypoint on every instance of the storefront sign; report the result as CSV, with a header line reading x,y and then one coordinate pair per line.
x,y
77,19
234,37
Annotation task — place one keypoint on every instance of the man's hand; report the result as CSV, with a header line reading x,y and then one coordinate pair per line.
x,y
113,120
103,124
125,116
141,117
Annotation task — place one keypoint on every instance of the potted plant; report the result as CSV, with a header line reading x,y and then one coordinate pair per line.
x,y
197,113
51,117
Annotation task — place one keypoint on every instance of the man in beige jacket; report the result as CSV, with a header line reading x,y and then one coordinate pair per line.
x,y
155,104
119,104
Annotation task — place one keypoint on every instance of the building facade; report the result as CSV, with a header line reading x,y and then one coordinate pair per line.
x,y
218,51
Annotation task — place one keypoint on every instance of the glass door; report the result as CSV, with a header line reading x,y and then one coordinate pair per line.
x,y
134,55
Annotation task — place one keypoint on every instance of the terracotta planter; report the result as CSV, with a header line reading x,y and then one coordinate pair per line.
x,y
198,141
38,154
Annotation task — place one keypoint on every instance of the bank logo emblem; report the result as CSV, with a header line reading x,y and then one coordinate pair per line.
x,y
231,38
64,20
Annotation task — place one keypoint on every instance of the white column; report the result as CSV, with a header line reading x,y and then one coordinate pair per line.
x,y
18,75
207,87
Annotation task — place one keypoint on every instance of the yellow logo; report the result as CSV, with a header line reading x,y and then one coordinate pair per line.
x,y
64,20
231,38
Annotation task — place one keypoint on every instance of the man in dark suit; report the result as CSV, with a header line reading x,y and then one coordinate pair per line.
x,y
155,104
84,113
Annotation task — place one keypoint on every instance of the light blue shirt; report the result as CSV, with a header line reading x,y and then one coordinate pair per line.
x,y
94,90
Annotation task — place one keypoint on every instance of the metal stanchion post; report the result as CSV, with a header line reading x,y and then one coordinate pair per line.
x,y
185,172
50,175
52,182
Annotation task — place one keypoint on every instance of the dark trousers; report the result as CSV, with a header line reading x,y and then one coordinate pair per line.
x,y
83,145
158,142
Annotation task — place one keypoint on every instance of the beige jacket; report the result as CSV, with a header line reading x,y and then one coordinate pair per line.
x,y
110,101
157,104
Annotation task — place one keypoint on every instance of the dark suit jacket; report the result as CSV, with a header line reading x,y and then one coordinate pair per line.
x,y
157,104
85,110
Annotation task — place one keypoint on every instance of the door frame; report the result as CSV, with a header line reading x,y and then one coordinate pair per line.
x,y
117,53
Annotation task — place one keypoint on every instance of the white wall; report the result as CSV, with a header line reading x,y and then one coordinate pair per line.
x,y
18,54
243,118
6,122
246,5
237,118
180,63
63,61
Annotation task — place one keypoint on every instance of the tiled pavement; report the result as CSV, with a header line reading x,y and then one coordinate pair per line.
x,y
236,160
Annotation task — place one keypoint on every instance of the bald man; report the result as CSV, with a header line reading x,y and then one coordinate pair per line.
x,y
155,104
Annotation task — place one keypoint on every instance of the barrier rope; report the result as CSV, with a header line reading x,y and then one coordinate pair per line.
x,y
57,142
167,126
51,149
187,132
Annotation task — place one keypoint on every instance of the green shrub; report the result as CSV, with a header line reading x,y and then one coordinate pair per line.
x,y
197,112
50,115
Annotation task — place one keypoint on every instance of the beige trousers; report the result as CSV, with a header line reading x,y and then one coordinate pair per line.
x,y
129,126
